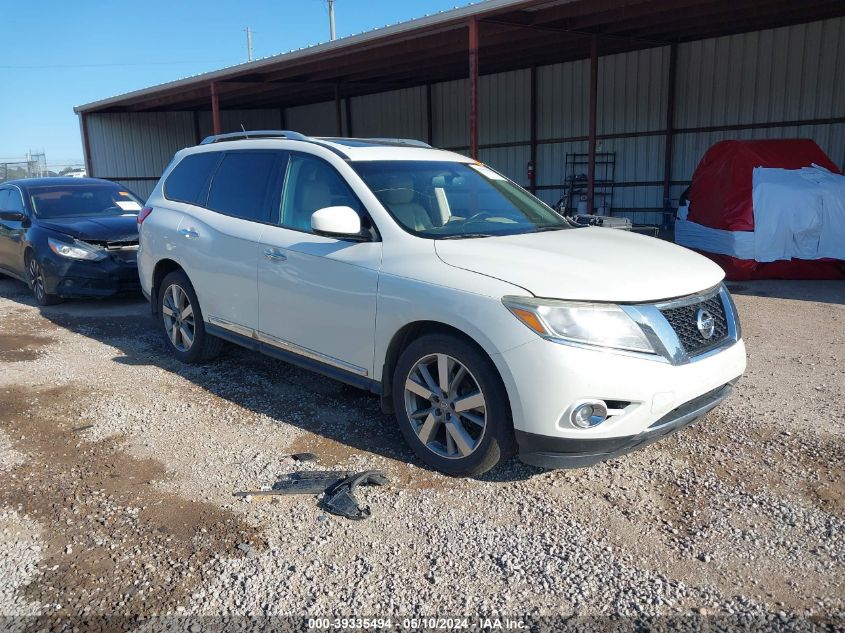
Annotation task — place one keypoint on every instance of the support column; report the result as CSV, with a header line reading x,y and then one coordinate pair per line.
x,y
86,147
197,132
532,170
215,110
670,132
429,123
338,115
473,88
348,109
591,151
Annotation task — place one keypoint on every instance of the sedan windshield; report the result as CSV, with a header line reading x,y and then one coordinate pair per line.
x,y
82,200
448,200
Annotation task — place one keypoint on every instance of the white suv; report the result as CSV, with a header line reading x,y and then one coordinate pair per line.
x,y
487,322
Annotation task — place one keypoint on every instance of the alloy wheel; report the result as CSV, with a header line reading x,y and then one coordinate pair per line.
x,y
36,279
446,406
178,314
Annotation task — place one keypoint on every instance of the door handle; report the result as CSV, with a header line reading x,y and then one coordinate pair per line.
x,y
274,255
189,233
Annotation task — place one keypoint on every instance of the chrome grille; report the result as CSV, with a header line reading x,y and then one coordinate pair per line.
x,y
684,320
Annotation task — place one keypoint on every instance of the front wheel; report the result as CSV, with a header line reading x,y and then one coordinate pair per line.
x,y
181,319
37,282
451,406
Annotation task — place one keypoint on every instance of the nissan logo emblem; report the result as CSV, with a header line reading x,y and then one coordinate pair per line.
x,y
706,323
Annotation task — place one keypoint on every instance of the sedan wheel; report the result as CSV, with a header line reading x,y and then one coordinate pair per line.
x,y
37,282
36,279
178,315
446,406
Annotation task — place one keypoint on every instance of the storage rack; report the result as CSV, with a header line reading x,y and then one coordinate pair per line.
x,y
575,182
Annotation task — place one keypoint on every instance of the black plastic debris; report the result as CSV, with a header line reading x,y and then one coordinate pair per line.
x,y
303,457
309,482
338,486
304,483
340,498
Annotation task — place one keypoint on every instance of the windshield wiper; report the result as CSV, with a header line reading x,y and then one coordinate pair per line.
x,y
555,227
460,236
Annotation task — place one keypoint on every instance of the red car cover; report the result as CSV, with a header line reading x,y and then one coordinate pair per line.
x,y
720,197
720,194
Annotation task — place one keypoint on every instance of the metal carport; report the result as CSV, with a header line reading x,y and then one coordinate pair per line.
x,y
519,82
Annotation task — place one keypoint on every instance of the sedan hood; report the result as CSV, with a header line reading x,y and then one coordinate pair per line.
x,y
586,264
110,228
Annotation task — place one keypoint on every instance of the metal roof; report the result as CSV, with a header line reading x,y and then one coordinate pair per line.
x,y
513,34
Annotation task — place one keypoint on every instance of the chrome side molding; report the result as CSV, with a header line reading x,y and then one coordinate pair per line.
x,y
286,346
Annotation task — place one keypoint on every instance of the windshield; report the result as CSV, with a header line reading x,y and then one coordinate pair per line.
x,y
443,200
71,200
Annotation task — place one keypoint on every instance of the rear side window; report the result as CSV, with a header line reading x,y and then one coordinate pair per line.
x,y
15,202
245,184
188,181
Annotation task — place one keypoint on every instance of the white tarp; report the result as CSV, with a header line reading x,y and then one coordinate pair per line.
x,y
739,244
798,213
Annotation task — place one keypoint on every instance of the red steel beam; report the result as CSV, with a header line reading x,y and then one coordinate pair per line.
x,y
532,172
215,110
670,127
473,88
429,123
338,117
591,139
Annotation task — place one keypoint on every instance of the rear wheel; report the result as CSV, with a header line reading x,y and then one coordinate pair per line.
x,y
37,283
451,406
181,320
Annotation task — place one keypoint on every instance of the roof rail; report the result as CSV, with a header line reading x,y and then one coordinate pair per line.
x,y
246,134
411,142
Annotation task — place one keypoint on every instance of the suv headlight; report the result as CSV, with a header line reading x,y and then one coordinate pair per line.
x,y
599,324
76,250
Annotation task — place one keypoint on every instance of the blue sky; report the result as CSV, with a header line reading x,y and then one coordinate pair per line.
x,y
56,54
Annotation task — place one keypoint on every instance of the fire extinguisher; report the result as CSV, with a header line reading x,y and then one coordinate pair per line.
x,y
530,172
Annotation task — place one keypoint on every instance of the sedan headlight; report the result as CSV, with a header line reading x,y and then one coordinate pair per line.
x,y
599,324
76,250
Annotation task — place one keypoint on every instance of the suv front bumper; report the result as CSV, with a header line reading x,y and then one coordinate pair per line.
x,y
650,397
560,452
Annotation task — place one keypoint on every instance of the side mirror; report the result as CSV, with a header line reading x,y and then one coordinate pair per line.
x,y
12,216
336,222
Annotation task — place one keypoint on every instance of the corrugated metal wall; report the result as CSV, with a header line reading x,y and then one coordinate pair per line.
x,y
134,148
794,74
316,119
396,114
232,120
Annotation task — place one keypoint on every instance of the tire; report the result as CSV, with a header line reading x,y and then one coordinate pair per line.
x,y
428,420
36,281
199,346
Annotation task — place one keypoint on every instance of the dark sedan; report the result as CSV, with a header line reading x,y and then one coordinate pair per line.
x,y
69,237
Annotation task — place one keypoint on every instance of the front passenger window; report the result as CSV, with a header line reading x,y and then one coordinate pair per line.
x,y
312,184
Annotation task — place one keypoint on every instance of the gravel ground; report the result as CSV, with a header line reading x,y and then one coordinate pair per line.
x,y
118,464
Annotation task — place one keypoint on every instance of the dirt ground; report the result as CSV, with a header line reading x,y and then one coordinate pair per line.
x,y
118,467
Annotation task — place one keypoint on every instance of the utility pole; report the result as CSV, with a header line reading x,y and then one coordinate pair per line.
x,y
248,44
331,19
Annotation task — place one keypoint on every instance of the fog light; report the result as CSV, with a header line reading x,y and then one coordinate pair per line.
x,y
588,414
